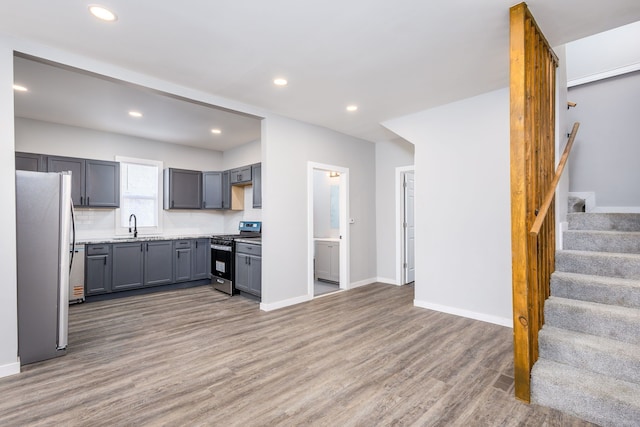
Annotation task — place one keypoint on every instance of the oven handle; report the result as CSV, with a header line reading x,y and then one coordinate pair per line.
x,y
222,248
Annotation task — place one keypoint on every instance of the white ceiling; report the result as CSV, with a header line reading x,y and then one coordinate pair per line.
x,y
392,58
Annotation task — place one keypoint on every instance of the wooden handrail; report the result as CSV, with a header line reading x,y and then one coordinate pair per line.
x,y
544,209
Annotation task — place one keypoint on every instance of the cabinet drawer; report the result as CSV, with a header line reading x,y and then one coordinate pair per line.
x,y
246,248
97,249
183,243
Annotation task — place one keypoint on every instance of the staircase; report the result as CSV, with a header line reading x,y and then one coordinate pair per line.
x,y
589,347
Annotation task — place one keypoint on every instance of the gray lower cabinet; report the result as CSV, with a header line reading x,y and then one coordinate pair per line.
x,y
182,260
128,266
256,178
182,189
249,268
211,190
158,268
201,259
98,269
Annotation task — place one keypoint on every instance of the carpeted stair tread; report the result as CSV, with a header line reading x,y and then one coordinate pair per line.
x,y
593,397
602,241
597,354
599,263
604,221
600,289
609,321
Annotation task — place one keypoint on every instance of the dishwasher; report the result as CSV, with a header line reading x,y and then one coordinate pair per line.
x,y
76,276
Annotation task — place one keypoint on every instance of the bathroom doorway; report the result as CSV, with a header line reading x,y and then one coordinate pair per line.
x,y
328,233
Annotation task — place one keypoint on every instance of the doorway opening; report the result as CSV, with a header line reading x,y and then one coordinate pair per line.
x,y
328,237
405,242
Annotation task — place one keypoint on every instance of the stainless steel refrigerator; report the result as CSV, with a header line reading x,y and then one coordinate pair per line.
x,y
43,227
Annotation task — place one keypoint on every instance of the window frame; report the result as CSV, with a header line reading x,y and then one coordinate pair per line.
x,y
142,231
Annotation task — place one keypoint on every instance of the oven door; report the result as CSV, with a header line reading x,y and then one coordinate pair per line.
x,y
222,268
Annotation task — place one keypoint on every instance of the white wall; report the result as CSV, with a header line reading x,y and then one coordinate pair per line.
x,y
389,156
463,227
606,54
287,147
8,302
605,155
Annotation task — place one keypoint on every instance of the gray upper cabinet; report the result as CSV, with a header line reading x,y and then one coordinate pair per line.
x,y
76,166
241,175
256,179
102,186
94,183
226,190
211,190
30,162
182,189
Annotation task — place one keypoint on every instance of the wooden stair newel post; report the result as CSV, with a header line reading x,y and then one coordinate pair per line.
x,y
532,145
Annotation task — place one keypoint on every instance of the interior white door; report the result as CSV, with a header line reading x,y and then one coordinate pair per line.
x,y
409,262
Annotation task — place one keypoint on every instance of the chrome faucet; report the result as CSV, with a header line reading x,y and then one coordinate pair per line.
x,y
135,225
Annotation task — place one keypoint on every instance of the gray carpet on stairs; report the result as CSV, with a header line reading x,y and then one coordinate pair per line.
x,y
589,347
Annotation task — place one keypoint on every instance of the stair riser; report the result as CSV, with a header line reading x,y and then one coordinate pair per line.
x,y
597,242
604,221
595,289
601,323
599,264
615,364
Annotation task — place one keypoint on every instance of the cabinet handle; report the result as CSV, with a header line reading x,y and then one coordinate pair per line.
x,y
88,202
196,244
204,204
105,260
141,245
173,203
81,199
178,254
147,247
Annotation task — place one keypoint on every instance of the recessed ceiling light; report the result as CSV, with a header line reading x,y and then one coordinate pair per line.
x,y
216,131
101,12
20,88
280,82
135,113
352,107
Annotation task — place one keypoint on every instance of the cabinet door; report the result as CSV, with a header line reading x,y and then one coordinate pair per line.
x,y
242,273
30,162
77,168
128,266
334,269
182,260
201,267
158,265
212,190
255,275
256,179
97,274
184,189
102,186
323,260
226,190
241,175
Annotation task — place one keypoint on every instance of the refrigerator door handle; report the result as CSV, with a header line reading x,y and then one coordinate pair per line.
x,y
65,262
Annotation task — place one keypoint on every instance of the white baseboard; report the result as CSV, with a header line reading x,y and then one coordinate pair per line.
x,y
9,369
465,313
284,303
362,282
616,209
387,281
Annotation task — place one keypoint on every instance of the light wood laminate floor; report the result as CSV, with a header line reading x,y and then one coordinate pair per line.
x,y
364,357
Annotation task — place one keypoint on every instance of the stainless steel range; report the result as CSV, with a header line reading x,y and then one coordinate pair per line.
x,y
223,255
